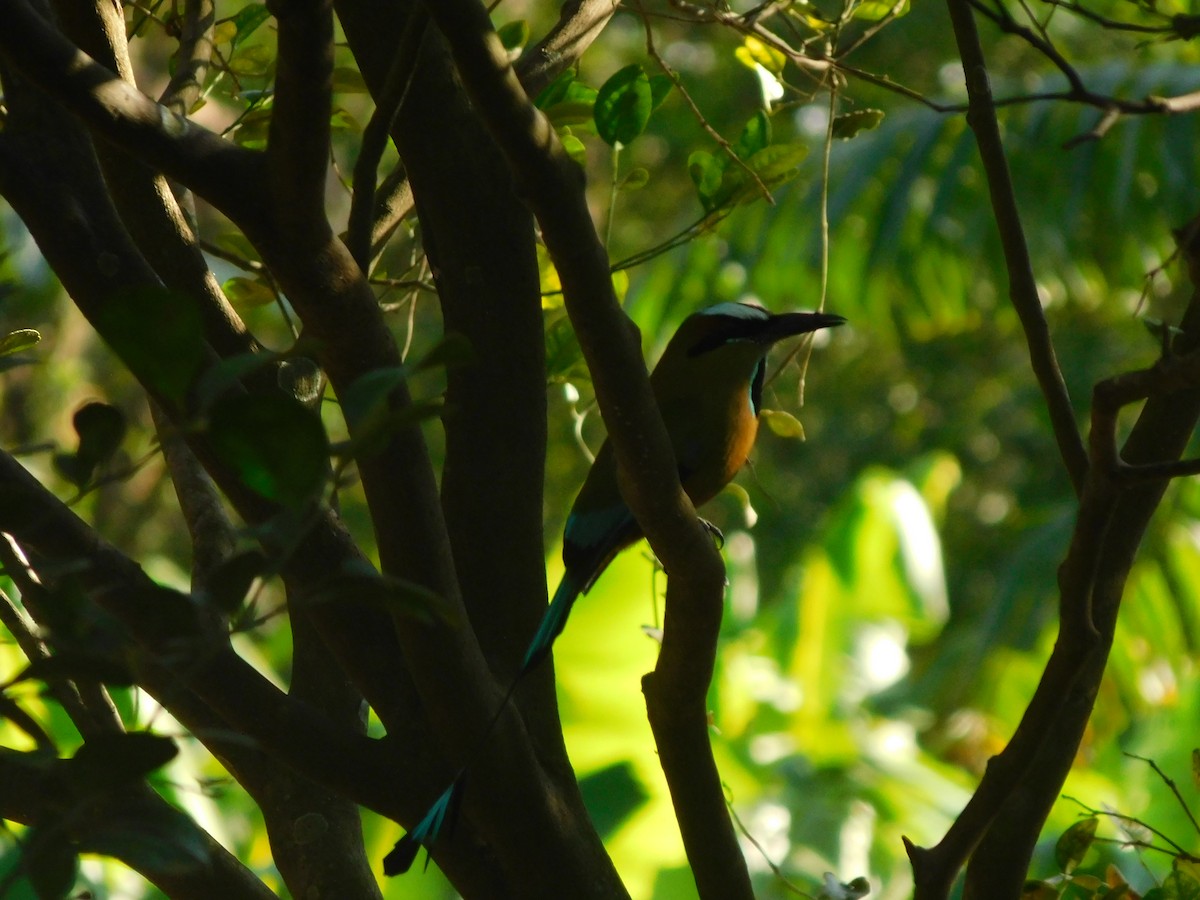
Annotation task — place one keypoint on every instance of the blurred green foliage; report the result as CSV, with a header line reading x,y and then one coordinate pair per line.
x,y
892,578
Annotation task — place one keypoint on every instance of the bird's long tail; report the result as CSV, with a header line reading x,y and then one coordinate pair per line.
x,y
442,815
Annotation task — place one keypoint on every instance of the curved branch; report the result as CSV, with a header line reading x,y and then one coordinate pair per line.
x,y
579,23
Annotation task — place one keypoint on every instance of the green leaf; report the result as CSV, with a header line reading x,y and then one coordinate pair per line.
x,y
1074,844
107,760
875,10
706,175
246,293
847,125
16,341
564,89
252,62
367,407
634,180
755,136
513,35
660,88
779,162
248,20
223,375
571,113
158,334
623,106
575,149
783,424
612,795
754,52
275,446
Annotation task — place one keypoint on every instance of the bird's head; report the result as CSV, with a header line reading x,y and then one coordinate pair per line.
x,y
727,344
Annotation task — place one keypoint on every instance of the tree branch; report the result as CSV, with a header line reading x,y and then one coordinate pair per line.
x,y
1023,293
551,184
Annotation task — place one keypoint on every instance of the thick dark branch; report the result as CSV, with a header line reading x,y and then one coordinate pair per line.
x,y
193,57
1022,285
552,185
35,793
298,142
579,23
227,175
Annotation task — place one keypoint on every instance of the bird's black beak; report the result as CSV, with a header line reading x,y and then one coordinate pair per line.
x,y
786,325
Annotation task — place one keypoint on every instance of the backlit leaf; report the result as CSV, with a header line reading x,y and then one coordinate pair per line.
x,y
623,106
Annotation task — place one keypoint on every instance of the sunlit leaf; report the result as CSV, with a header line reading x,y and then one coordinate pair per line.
x,y
874,10
513,35
755,136
754,52
847,125
660,88
1074,844
783,424
253,61
16,341
275,446
245,293
623,106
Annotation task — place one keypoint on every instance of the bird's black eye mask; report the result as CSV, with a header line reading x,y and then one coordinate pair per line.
x,y
732,331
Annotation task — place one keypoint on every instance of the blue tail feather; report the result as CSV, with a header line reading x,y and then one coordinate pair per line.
x,y
553,621
440,817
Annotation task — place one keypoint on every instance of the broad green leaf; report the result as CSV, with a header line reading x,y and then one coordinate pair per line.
x,y
612,795
248,20
847,125
275,446
634,180
571,113
755,136
1074,844
783,424
370,415
779,162
513,35
224,31
623,106
16,341
158,335
706,176
660,88
254,61
575,148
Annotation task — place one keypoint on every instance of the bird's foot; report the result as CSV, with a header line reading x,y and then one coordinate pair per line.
x,y
717,535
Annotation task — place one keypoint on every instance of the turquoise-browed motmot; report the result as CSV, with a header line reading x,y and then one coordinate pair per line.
x,y
708,385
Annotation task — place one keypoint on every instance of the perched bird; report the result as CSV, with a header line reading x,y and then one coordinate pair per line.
x,y
708,385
